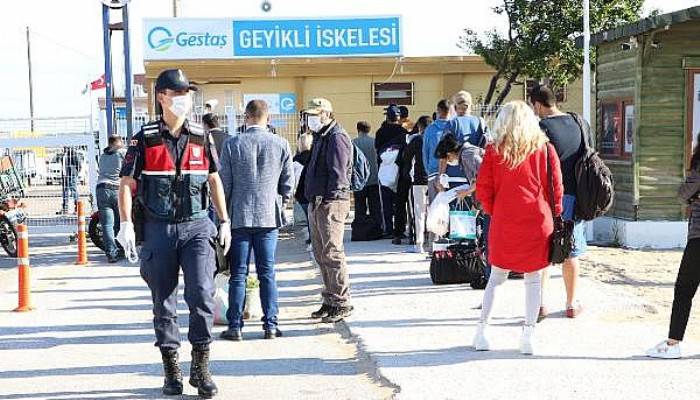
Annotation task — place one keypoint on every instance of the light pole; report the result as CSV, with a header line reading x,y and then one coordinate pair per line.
x,y
586,61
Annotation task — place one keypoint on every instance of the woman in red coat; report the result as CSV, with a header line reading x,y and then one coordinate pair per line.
x,y
514,190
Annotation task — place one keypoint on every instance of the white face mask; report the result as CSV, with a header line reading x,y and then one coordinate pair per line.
x,y
181,105
453,163
314,122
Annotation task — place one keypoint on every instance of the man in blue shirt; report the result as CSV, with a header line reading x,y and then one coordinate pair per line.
x,y
465,127
432,136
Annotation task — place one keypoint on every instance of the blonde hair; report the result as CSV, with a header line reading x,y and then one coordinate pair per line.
x,y
517,133
463,98
305,141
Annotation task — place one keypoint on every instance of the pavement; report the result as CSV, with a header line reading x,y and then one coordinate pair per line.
x,y
419,335
91,337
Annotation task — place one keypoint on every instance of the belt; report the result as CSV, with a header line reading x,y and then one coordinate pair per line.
x,y
104,185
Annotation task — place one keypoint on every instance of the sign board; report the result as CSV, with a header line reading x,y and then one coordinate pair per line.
x,y
277,103
195,38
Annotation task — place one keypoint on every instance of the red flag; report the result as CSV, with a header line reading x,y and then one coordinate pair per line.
x,y
98,84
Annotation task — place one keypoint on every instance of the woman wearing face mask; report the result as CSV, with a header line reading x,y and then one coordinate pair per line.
x,y
463,163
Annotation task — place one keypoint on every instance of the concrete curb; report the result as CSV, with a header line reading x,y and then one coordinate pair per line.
x,y
368,363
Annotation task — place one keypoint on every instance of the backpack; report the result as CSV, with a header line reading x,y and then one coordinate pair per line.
x,y
595,188
360,169
365,228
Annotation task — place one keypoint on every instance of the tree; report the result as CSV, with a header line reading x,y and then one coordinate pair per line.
x,y
540,40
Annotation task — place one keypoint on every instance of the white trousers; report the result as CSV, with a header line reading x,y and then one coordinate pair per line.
x,y
533,294
419,202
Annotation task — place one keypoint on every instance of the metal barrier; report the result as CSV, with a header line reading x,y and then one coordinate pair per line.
x,y
57,165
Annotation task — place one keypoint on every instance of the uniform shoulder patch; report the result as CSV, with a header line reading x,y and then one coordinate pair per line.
x,y
151,128
195,128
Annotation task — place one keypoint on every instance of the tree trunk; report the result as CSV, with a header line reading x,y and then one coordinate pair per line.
x,y
506,89
492,89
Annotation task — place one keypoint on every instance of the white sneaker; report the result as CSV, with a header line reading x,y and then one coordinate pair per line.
x,y
480,342
309,248
665,351
526,340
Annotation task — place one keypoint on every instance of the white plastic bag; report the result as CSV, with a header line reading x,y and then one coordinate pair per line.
x,y
388,170
221,299
438,220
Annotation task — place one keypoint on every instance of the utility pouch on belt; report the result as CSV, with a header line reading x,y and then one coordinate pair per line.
x,y
138,217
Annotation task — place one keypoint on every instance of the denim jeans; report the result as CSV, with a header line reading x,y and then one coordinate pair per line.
x,y
580,243
107,204
70,190
263,241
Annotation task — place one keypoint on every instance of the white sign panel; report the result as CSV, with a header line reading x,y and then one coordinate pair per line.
x,y
277,103
191,38
228,38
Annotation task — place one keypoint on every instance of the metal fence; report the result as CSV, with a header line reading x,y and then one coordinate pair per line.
x,y
56,162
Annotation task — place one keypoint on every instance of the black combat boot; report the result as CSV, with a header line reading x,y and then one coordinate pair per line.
x,y
200,377
173,375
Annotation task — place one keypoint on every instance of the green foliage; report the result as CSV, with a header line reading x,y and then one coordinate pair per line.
x,y
540,40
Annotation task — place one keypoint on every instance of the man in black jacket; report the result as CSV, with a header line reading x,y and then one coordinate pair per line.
x,y
413,159
391,135
328,191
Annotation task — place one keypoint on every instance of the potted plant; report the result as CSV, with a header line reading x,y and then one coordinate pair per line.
x,y
252,308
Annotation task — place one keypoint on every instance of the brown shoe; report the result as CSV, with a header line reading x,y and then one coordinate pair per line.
x,y
573,312
543,314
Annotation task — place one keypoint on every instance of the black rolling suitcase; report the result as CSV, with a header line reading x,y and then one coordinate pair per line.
x,y
460,263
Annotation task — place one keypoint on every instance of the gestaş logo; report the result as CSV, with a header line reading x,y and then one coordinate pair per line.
x,y
161,39
164,37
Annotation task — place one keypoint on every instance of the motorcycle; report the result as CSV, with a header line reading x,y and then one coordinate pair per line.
x,y
11,207
11,213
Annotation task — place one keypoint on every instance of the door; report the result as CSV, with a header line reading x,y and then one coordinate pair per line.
x,y
693,110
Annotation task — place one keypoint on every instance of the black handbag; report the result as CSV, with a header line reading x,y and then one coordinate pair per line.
x,y
562,239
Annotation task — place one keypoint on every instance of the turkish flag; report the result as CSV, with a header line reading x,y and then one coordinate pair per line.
x,y
98,84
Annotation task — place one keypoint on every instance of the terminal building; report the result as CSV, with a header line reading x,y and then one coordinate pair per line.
x,y
357,63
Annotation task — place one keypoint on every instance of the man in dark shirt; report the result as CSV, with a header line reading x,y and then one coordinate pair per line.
x,y
393,135
565,135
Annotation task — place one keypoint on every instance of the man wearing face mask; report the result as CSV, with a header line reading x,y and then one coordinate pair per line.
x,y
328,191
174,165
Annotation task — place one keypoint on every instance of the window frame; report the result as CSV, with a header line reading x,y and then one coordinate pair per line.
x,y
398,101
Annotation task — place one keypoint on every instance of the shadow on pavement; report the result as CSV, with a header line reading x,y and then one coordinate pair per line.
x,y
126,394
465,354
241,368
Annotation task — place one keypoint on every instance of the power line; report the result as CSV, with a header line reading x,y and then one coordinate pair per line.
x,y
74,50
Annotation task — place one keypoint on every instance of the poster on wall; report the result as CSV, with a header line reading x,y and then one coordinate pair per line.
x,y
629,128
696,110
610,141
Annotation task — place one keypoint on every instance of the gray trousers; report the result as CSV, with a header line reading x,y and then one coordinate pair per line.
x,y
327,222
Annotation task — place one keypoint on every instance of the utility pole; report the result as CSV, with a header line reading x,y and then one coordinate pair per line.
x,y
31,87
586,61
176,8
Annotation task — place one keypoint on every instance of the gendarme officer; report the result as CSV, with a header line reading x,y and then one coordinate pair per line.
x,y
173,164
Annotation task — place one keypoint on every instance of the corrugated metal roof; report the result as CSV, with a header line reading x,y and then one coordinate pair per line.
x,y
642,26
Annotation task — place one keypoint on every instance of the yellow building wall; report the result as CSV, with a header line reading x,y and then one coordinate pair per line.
x,y
351,96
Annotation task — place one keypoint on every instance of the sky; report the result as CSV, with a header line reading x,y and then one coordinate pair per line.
x,y
66,38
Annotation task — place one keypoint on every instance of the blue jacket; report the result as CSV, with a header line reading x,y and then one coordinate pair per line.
x,y
431,137
256,172
466,128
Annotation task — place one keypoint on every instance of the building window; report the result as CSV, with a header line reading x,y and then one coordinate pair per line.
x,y
617,128
400,93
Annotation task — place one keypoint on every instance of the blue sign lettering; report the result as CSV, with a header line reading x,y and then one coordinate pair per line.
x,y
323,37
